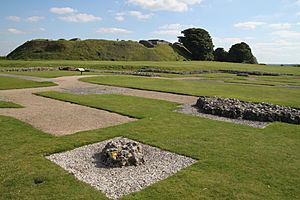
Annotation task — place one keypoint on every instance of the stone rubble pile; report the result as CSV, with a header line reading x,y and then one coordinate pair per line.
x,y
236,109
122,153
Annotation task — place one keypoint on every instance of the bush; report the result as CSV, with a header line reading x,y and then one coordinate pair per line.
x,y
241,53
199,43
220,55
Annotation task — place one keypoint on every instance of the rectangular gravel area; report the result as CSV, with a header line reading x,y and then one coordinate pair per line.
x,y
84,163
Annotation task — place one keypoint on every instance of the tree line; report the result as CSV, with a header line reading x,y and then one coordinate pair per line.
x,y
199,42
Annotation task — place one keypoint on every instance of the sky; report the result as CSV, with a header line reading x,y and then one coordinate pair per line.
x,y
270,27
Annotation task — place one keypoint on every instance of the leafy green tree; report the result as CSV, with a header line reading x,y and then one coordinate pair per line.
x,y
198,42
241,53
221,55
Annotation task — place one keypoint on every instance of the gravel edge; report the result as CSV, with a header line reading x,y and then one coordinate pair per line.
x,y
189,109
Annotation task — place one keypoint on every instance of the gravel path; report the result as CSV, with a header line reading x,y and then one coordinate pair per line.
x,y
86,166
57,117
189,109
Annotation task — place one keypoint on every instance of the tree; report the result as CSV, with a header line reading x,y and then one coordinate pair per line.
x,y
220,55
198,42
241,53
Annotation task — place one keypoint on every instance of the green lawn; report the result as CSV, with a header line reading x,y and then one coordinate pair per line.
x,y
276,95
134,65
16,83
234,161
6,104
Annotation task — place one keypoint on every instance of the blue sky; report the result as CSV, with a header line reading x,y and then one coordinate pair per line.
x,y
270,27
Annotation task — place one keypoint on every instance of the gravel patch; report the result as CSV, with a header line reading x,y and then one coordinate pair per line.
x,y
94,90
191,110
84,162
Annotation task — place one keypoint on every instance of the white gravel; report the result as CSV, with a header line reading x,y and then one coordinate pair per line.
x,y
191,110
84,163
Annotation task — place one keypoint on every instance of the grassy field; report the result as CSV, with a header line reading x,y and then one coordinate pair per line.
x,y
234,161
276,95
6,104
16,83
135,65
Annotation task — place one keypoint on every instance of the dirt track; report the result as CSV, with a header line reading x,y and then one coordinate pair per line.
x,y
62,118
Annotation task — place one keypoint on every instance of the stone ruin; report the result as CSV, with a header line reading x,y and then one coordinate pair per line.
x,y
122,153
236,109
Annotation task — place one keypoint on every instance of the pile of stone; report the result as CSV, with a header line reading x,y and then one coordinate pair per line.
x,y
122,153
236,109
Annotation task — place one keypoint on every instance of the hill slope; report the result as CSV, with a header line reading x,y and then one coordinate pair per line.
x,y
93,50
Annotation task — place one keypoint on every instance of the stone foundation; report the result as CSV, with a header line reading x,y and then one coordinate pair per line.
x,y
236,109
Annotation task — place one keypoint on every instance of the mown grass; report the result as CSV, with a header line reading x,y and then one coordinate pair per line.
x,y
234,161
8,104
251,79
276,95
16,83
135,65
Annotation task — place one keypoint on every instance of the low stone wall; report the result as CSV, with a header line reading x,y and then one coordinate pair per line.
x,y
137,74
28,69
236,109
237,72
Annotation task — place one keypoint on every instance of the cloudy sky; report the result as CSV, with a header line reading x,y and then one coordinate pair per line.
x,y
271,27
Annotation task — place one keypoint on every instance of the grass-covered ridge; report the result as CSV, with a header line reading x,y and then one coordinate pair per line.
x,y
7,83
93,50
234,161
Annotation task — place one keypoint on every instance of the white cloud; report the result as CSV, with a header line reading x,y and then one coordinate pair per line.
x,y
35,18
280,26
13,18
15,31
62,11
113,30
171,29
168,5
277,51
287,34
81,17
42,29
248,25
137,14
120,16
140,15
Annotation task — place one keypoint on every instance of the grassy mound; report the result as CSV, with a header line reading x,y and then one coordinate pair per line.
x,y
93,50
